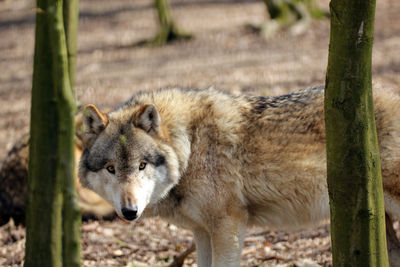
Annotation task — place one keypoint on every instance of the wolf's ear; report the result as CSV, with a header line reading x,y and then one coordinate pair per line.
x,y
94,121
148,119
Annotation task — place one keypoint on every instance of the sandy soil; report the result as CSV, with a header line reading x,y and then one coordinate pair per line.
x,y
224,54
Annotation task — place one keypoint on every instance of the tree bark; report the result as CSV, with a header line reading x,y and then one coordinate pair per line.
x,y
51,164
354,171
280,10
168,30
315,10
66,169
70,17
292,14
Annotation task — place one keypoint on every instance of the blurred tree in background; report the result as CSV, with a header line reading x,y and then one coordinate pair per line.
x,y
168,30
53,219
293,14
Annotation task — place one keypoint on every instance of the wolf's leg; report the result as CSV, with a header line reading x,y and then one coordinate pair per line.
x,y
227,243
393,244
203,247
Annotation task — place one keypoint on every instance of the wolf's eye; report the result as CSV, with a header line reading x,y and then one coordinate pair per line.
x,y
142,166
111,169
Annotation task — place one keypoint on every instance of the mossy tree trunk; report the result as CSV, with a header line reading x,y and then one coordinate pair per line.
x,y
314,10
168,30
70,18
293,14
284,11
71,214
354,171
51,159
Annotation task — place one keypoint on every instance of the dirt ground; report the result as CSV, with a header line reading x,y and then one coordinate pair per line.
x,y
224,54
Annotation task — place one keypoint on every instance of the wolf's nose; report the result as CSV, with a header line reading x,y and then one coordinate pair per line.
x,y
129,213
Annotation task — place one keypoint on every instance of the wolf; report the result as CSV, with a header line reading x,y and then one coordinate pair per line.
x,y
216,163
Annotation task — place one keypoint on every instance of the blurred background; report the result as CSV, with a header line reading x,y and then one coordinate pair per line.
x,y
226,51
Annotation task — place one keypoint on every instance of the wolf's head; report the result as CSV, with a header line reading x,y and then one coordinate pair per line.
x,y
127,158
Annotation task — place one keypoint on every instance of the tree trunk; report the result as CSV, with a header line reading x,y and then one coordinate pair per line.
x,y
51,145
71,214
354,171
280,10
70,17
292,14
315,10
168,30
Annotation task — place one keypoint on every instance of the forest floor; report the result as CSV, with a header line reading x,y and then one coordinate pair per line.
x,y
224,53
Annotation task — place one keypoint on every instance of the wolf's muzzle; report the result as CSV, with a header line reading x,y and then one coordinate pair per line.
x,y
130,213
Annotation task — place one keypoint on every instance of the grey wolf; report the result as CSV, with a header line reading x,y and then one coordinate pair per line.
x,y
216,163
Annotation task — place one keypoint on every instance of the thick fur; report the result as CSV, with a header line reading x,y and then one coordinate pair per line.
x,y
216,163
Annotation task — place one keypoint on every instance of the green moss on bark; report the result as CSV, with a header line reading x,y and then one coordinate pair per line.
x,y
51,160
354,173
